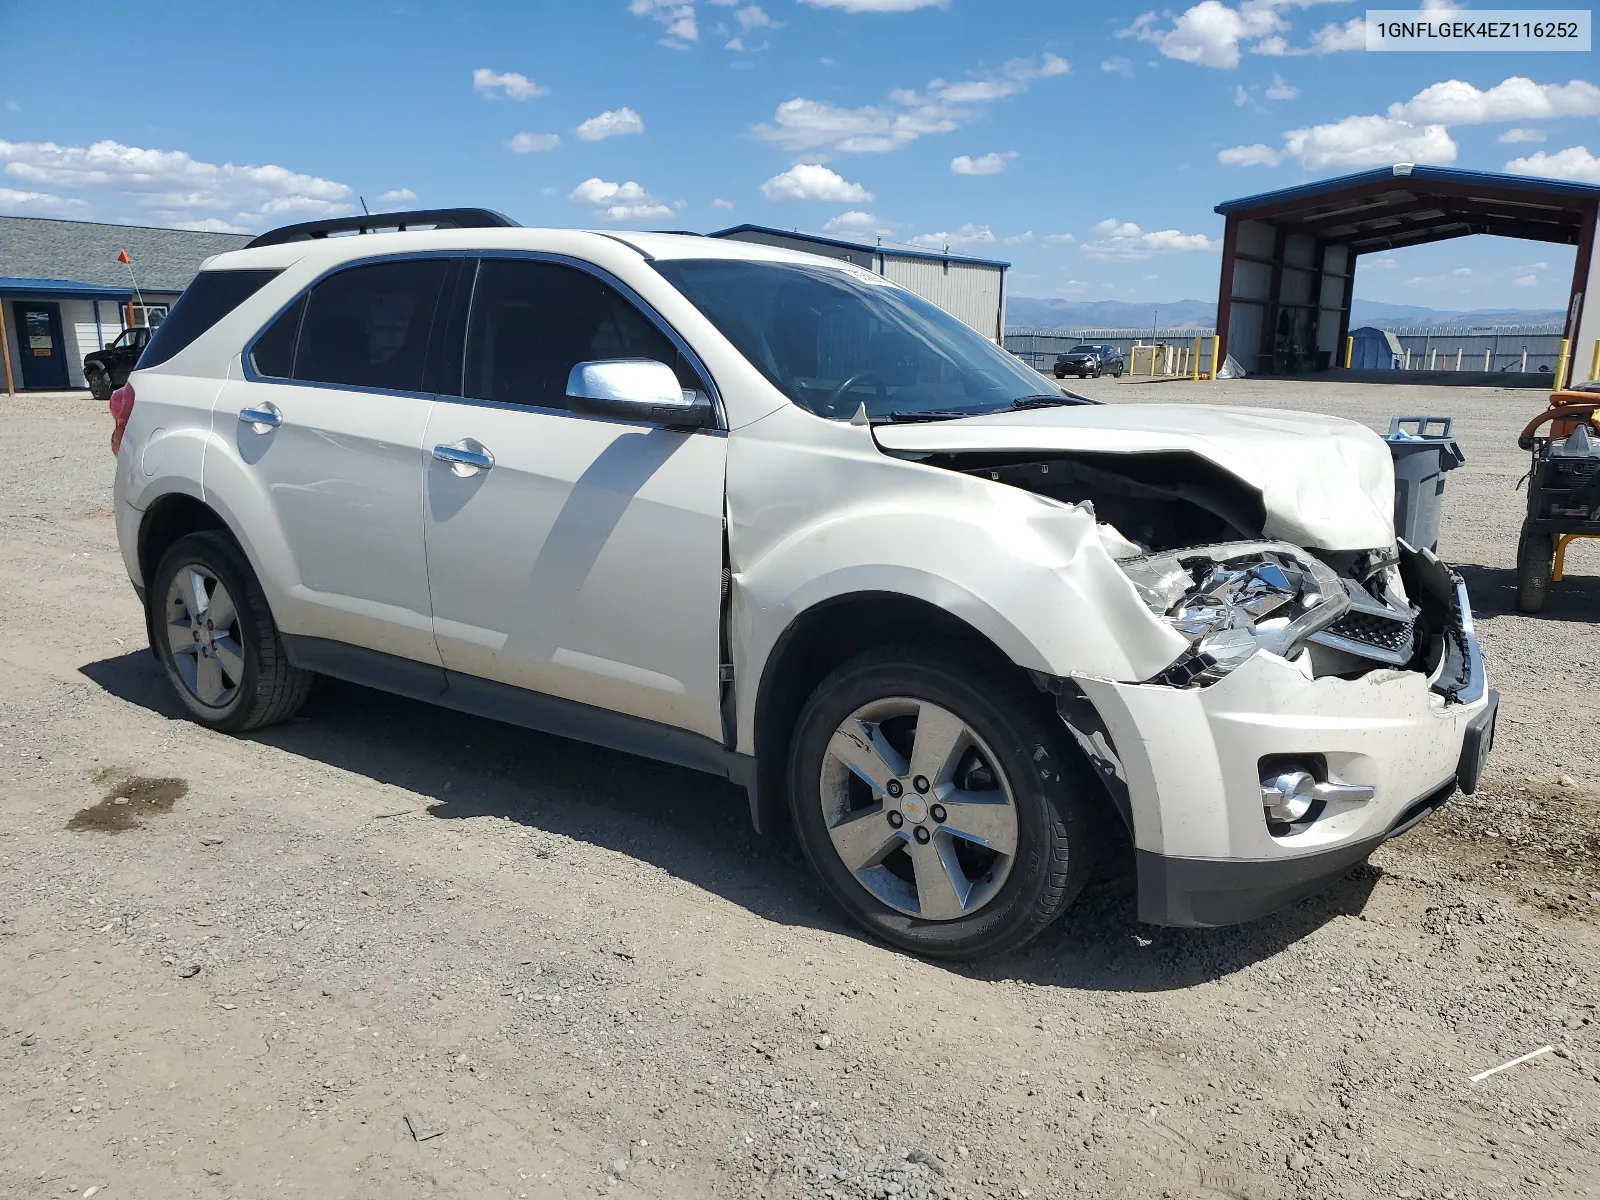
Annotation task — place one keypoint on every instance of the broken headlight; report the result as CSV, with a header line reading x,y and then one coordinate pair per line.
x,y
1233,600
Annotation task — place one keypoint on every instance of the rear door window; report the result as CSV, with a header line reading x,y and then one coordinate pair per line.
x,y
210,297
367,327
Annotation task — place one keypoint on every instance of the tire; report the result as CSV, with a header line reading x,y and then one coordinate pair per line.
x,y
1536,557
1011,733
1117,374
258,684
99,386
1061,374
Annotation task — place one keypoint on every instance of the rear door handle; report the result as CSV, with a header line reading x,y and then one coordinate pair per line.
x,y
261,420
464,462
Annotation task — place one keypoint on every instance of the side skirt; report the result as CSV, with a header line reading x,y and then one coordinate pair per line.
x,y
517,706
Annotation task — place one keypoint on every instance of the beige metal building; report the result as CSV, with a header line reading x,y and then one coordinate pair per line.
x,y
972,289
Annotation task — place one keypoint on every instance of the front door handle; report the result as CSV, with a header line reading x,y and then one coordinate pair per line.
x,y
261,420
464,462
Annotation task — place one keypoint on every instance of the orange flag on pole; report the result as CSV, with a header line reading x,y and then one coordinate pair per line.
x,y
122,257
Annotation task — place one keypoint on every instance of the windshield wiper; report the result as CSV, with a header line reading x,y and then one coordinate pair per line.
x,y
929,414
1061,398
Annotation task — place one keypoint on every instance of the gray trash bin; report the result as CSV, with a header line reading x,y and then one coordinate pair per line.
x,y
1423,451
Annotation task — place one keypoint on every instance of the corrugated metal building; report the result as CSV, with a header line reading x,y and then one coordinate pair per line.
x,y
63,294
972,289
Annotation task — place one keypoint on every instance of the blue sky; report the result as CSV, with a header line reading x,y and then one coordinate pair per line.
x,y
1087,144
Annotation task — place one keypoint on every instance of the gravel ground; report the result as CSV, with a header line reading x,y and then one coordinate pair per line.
x,y
386,950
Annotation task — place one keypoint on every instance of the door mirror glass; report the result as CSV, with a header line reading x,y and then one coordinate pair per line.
x,y
634,389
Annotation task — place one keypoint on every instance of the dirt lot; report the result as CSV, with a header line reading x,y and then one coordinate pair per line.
x,y
390,951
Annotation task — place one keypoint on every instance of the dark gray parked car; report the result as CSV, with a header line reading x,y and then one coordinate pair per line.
x,y
1089,359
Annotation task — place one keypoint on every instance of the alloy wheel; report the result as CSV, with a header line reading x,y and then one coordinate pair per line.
x,y
203,636
918,809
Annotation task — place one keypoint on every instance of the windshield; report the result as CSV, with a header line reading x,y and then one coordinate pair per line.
x,y
1084,350
834,338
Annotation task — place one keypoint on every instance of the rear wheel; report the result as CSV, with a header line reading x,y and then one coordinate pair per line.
x,y
216,638
99,384
1536,556
938,803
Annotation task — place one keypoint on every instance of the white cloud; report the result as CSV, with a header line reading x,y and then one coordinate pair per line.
x,y
1241,96
398,196
968,235
675,17
1019,239
1526,281
722,204
1369,141
510,85
1453,102
533,143
1460,279
878,6
1117,66
1340,39
1061,239
803,126
614,123
171,186
618,201
1279,90
1258,154
1575,163
1512,137
38,204
861,224
985,164
813,181
211,225
1361,141
1123,241
752,16
1211,33
1383,262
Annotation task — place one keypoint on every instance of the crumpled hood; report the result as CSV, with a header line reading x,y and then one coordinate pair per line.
x,y
1326,482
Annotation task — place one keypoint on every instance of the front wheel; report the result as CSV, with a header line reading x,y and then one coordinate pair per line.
x,y
939,803
1536,556
215,635
1061,374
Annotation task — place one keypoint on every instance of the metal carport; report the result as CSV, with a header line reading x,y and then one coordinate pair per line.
x,y
1289,257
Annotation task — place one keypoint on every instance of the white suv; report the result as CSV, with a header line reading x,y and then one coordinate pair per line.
x,y
773,517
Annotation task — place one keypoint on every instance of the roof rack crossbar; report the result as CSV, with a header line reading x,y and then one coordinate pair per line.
x,y
434,218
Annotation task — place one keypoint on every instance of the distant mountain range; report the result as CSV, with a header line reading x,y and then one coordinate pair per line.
x,y
1025,314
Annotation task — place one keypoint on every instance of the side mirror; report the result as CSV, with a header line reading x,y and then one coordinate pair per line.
x,y
636,390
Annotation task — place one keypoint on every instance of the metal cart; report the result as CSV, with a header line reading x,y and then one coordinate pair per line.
x,y
1563,491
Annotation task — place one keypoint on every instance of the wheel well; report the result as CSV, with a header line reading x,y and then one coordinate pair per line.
x,y
168,519
820,640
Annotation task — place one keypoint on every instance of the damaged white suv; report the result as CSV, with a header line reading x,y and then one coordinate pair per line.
x,y
770,516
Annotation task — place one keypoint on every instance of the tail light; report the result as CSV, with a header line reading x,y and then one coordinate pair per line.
x,y
121,409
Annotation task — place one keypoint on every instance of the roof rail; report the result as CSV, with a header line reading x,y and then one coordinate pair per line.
x,y
434,218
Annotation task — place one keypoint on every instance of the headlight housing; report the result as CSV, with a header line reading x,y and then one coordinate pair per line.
x,y
1233,600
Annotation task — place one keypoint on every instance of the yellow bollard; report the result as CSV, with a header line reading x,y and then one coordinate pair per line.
x,y
1562,363
1349,351
1594,361
1194,359
1216,355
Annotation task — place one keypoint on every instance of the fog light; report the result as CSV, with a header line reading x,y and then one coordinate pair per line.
x,y
1287,796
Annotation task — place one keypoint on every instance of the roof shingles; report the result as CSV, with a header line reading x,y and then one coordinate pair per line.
x,y
164,260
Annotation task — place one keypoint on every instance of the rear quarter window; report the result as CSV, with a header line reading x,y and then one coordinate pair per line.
x,y
212,296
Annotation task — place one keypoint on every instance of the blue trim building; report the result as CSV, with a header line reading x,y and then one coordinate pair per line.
x,y
64,294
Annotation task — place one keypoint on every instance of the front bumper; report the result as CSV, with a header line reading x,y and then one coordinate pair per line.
x,y
1187,762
